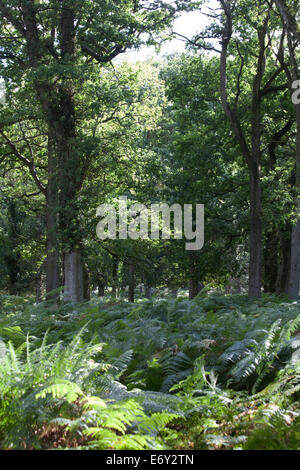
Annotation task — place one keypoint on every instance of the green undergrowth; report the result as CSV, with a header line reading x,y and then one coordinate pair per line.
x,y
217,372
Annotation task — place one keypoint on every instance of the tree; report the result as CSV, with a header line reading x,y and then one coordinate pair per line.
x,y
198,168
51,48
245,31
292,36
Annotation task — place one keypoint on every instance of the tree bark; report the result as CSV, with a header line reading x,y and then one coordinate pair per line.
x,y
70,168
278,242
195,287
292,74
74,279
294,281
148,292
86,284
52,245
255,239
252,155
101,289
293,289
288,20
131,283
58,105
114,278
38,290
282,282
13,258
271,261
174,292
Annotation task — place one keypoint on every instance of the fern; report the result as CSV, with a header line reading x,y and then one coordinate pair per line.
x,y
61,389
218,372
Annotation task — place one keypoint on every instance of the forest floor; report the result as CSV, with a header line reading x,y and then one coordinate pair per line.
x,y
217,372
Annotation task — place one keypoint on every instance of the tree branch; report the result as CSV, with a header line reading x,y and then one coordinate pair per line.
x,y
30,164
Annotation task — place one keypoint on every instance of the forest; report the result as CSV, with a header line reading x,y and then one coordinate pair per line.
x,y
149,225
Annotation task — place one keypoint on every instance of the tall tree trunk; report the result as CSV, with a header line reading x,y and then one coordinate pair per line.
x,y
174,292
293,289
271,261
101,289
70,169
74,282
148,291
294,281
13,258
293,76
86,284
282,282
114,278
255,239
52,245
278,240
252,155
57,101
38,289
131,283
288,20
254,165
195,287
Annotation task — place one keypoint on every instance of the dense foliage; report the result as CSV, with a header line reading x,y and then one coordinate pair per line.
x,y
212,373
140,342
